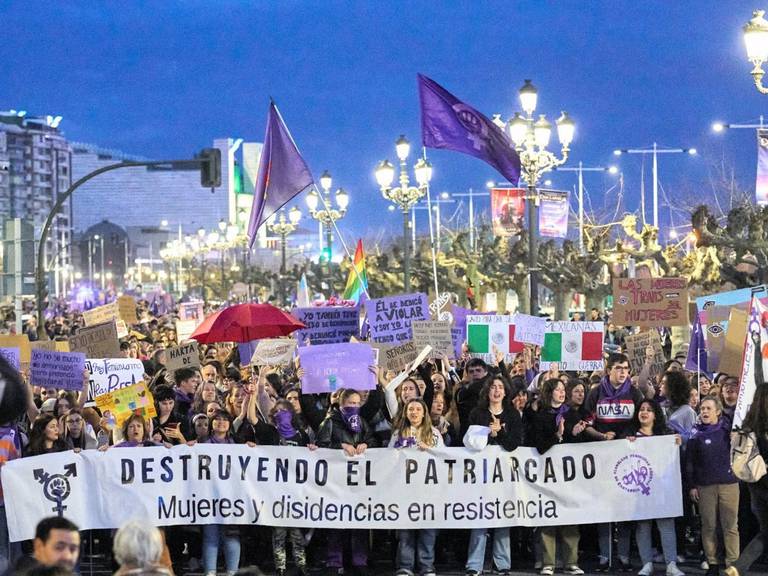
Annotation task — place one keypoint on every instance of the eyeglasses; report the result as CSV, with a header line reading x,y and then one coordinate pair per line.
x,y
75,421
620,368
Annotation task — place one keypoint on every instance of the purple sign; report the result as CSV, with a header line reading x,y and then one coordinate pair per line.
x,y
246,349
12,356
390,318
327,324
332,366
57,369
459,328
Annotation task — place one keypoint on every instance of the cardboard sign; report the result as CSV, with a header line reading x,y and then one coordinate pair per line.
x,y
636,345
184,329
396,358
110,374
182,356
135,399
20,341
730,359
192,311
101,314
99,341
327,324
57,369
126,306
52,345
333,366
741,298
12,356
274,352
650,301
529,329
390,318
435,334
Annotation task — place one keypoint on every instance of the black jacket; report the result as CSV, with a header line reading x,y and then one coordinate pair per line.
x,y
334,432
260,433
511,434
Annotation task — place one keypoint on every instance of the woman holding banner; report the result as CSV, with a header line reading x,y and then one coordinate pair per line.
x,y
44,436
416,431
505,428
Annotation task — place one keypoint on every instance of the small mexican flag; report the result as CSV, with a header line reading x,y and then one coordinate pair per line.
x,y
481,338
570,345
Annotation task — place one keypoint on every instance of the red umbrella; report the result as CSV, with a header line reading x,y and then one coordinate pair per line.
x,y
245,322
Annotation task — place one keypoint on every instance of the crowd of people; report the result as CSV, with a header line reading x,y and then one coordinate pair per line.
x,y
443,402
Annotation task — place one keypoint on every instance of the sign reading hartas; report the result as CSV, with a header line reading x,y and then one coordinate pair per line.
x,y
183,356
391,317
327,324
57,369
99,341
274,352
573,346
636,345
108,375
435,333
384,489
650,301
328,367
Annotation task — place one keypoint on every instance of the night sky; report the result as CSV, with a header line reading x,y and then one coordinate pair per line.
x,y
162,79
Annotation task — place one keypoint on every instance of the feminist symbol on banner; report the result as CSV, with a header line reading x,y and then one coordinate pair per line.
x,y
56,487
633,473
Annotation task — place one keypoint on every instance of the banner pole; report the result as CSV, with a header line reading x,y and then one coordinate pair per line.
x,y
432,238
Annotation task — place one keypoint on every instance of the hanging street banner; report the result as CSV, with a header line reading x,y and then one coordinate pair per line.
x,y
507,210
761,184
383,489
650,302
573,346
390,318
553,214
327,325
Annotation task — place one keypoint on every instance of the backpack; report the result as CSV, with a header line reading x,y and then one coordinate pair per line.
x,y
746,461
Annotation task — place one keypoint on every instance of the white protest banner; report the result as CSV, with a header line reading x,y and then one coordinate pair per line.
x,y
573,346
754,364
110,374
384,489
435,333
529,329
185,355
274,352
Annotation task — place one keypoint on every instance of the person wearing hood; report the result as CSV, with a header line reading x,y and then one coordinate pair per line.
x,y
345,430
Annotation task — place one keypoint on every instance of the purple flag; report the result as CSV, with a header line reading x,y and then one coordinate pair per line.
x,y
697,350
282,173
449,123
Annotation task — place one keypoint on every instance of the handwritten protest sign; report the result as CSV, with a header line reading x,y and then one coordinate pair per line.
x,y
573,346
107,313
12,356
274,352
332,366
57,369
99,341
390,318
396,358
529,329
126,306
327,324
53,345
650,301
183,356
436,334
110,374
636,345
488,333
459,330
122,403
20,341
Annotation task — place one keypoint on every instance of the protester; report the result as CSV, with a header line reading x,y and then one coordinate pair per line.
x,y
167,427
44,436
76,433
56,543
138,549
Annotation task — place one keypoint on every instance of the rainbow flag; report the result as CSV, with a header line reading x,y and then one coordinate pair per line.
x,y
357,283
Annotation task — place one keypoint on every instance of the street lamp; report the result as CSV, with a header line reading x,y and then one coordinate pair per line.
x,y
284,227
404,196
756,41
327,214
531,138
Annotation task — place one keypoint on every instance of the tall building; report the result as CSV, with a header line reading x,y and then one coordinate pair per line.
x,y
35,168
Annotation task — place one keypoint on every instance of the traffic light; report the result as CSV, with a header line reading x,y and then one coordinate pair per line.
x,y
325,254
210,168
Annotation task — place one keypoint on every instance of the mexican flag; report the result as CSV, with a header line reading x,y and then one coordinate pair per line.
x,y
485,332
573,345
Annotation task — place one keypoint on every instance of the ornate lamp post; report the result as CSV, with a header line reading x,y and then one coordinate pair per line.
x,y
404,196
327,214
531,138
283,228
756,41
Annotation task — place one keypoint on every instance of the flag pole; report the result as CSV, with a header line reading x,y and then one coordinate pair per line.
x,y
343,243
432,239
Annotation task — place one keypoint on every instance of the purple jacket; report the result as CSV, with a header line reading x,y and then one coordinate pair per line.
x,y
708,456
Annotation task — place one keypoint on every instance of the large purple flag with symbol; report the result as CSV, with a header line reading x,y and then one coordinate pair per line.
x,y
697,350
282,173
328,367
449,123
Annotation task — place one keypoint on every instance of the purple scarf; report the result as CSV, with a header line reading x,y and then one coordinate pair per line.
x,y
702,428
182,397
284,421
560,413
213,440
351,417
614,394
405,441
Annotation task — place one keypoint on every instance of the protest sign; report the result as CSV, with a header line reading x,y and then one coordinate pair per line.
x,y
57,369
20,341
328,367
730,359
436,334
529,329
390,318
107,313
185,355
135,399
110,374
396,358
385,489
53,345
326,324
185,328
573,346
650,301
636,345
274,352
192,311
488,333
741,298
126,306
459,329
99,341
754,362
12,356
